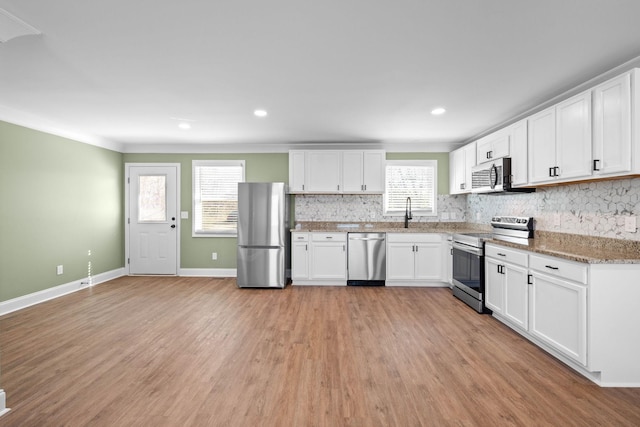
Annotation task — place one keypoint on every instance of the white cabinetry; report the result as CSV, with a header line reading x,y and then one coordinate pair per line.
x,y
416,259
336,172
319,259
559,305
507,288
297,171
299,256
460,163
493,146
612,126
560,141
324,171
518,153
363,171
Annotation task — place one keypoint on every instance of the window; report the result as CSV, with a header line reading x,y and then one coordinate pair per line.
x,y
411,178
215,196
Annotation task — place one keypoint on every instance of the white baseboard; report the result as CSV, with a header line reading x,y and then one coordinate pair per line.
x,y
208,272
57,291
3,403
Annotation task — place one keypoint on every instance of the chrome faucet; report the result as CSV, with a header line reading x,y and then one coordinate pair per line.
x,y
407,213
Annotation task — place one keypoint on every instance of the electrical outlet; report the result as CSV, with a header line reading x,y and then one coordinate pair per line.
x,y
59,270
214,256
477,216
630,224
444,216
452,215
184,215
556,220
372,215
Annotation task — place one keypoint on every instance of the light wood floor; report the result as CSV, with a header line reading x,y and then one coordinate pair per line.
x,y
149,351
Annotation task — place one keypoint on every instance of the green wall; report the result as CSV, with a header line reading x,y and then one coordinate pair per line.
x,y
195,252
59,199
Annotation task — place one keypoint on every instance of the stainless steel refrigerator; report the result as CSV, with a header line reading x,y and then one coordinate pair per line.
x,y
263,235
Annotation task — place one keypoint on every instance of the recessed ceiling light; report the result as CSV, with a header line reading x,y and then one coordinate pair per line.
x,y
438,111
184,125
260,113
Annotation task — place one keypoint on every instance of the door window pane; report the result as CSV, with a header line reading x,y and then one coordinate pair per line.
x,y
152,198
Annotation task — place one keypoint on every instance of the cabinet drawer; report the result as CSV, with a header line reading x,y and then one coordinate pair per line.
x,y
508,255
565,269
300,237
414,237
329,237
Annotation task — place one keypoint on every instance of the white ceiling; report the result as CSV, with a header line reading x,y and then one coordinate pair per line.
x,y
363,72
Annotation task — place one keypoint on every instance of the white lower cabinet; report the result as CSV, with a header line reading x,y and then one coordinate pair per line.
x,y
319,259
559,315
584,314
299,256
506,284
416,259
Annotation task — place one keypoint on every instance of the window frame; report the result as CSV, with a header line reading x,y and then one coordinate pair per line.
x,y
195,197
415,211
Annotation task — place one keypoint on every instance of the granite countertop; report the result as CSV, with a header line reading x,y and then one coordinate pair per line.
x,y
574,247
390,227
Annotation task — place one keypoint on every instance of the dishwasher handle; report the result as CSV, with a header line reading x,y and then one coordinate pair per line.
x,y
366,238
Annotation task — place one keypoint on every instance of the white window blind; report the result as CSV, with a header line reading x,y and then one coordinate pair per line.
x,y
411,178
215,196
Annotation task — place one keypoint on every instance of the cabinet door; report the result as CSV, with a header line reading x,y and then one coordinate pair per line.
x,y
559,315
493,146
516,295
573,137
542,145
429,262
297,171
324,170
494,285
469,163
612,126
456,171
400,261
352,171
328,260
373,171
300,260
518,153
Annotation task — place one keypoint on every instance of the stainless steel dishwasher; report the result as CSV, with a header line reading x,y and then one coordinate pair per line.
x,y
366,259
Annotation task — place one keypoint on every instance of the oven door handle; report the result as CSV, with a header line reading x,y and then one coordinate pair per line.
x,y
469,249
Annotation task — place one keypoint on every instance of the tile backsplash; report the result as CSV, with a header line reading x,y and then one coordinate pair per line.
x,y
369,208
594,209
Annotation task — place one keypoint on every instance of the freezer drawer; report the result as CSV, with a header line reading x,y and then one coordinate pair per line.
x,y
261,267
366,258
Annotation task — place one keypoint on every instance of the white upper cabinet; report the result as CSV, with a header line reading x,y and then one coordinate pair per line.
x,y
493,146
297,162
518,153
612,126
336,172
560,141
363,171
324,171
460,163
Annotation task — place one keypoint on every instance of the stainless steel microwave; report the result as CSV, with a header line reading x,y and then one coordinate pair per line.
x,y
494,177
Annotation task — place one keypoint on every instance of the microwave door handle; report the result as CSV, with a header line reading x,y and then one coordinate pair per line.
x,y
494,172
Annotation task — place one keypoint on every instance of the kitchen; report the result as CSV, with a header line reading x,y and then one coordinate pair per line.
x,y
82,184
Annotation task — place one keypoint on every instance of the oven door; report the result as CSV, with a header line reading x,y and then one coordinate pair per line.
x,y
468,269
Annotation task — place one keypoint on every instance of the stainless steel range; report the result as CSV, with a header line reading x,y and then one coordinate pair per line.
x,y
468,256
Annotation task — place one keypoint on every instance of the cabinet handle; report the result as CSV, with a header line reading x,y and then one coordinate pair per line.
x,y
498,268
551,267
451,251
529,279
555,171
306,247
595,165
338,187
501,254
329,237
462,186
416,248
550,171
365,187
343,248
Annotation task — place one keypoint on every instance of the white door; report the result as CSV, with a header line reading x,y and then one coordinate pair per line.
x,y
153,220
